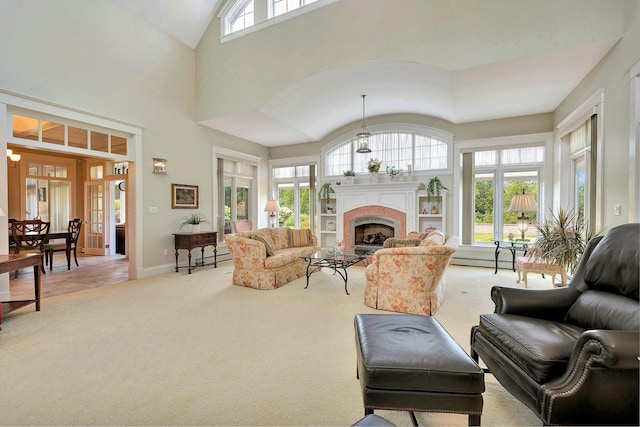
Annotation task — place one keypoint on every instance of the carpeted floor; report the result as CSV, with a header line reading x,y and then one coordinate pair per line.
x,y
182,349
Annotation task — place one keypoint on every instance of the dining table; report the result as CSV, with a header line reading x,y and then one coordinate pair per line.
x,y
52,235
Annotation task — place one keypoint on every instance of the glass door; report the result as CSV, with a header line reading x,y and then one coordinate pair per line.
x,y
95,240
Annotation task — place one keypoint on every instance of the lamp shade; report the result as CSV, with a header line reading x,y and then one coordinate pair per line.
x,y
523,203
272,206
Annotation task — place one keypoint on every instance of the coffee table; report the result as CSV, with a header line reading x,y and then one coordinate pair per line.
x,y
338,261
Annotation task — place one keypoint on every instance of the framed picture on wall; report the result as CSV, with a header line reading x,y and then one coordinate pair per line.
x,y
184,196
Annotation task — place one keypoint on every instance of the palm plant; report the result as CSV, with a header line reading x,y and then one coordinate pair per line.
x,y
561,239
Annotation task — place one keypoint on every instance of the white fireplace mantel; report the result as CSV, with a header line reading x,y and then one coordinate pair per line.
x,y
401,196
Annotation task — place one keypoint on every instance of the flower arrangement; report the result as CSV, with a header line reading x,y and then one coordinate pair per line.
x,y
374,165
392,171
194,218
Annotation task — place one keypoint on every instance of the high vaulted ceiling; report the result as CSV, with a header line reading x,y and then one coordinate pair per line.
x,y
501,70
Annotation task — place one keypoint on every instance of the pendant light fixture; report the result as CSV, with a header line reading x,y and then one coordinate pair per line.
x,y
364,134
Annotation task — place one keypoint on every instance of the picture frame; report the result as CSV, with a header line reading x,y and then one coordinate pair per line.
x,y
184,196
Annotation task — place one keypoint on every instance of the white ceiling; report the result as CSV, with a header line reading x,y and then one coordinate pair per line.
x,y
467,83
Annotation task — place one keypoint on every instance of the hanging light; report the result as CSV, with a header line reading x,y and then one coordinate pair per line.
x,y
363,135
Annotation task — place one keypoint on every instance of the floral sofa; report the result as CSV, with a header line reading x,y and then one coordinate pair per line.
x,y
408,275
268,258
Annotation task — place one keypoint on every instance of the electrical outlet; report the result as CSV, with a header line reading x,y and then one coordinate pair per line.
x,y
617,210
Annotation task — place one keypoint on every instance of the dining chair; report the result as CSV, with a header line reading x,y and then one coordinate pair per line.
x,y
29,236
241,225
68,246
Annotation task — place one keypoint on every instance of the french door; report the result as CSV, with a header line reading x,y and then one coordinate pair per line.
x,y
95,236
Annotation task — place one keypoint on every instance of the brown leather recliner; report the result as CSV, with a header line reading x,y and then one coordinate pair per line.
x,y
571,354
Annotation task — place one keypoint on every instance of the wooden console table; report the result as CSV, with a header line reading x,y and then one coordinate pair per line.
x,y
13,262
189,241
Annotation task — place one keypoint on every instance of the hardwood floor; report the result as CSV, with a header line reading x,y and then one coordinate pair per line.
x,y
94,271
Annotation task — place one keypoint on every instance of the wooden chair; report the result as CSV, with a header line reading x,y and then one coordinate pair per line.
x,y
29,236
242,225
68,246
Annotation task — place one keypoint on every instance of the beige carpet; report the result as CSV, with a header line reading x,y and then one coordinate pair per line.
x,y
193,349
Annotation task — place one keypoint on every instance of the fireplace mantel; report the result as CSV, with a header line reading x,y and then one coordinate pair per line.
x,y
378,197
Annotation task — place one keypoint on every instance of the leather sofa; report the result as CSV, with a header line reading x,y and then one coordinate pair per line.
x,y
571,354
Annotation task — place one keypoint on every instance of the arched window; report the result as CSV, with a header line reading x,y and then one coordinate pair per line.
x,y
417,150
240,16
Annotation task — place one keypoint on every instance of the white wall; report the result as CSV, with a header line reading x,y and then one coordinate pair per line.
x,y
98,57
612,75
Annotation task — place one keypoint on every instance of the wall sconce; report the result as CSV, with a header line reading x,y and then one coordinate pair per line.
x,y
272,207
12,158
160,166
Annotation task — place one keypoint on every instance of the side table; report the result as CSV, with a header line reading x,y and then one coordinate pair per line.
x,y
513,246
201,240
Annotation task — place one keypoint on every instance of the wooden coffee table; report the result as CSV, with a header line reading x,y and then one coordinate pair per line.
x,y
338,261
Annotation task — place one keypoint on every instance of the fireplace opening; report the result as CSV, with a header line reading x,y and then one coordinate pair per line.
x,y
368,233
372,234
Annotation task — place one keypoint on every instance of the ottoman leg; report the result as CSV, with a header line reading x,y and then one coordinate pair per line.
x,y
474,420
368,411
414,421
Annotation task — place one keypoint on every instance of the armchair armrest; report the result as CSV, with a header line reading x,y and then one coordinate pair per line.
x,y
246,252
551,304
603,368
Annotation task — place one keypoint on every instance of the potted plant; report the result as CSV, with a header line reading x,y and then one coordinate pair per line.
x,y
324,194
435,189
561,239
349,176
194,219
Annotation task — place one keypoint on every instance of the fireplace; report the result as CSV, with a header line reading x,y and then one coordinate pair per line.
x,y
370,232
368,214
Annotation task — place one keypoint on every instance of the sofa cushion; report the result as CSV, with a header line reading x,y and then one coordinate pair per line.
x,y
265,236
392,242
435,238
604,310
541,348
299,237
613,264
416,235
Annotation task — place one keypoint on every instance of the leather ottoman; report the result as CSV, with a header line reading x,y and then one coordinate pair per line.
x,y
410,363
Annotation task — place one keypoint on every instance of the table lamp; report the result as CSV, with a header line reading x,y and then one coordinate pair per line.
x,y
272,207
523,203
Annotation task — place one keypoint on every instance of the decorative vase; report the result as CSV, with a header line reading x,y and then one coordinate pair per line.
x,y
331,226
374,176
195,228
434,209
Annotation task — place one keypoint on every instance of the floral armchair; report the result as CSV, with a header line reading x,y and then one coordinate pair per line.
x,y
409,276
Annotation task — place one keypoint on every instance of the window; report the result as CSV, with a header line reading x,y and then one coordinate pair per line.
x,y
499,175
26,127
280,7
241,18
240,15
237,180
293,186
48,193
579,143
403,150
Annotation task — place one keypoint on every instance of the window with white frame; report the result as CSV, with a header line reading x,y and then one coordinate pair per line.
x,y
579,143
280,7
236,191
413,151
294,189
239,15
497,176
